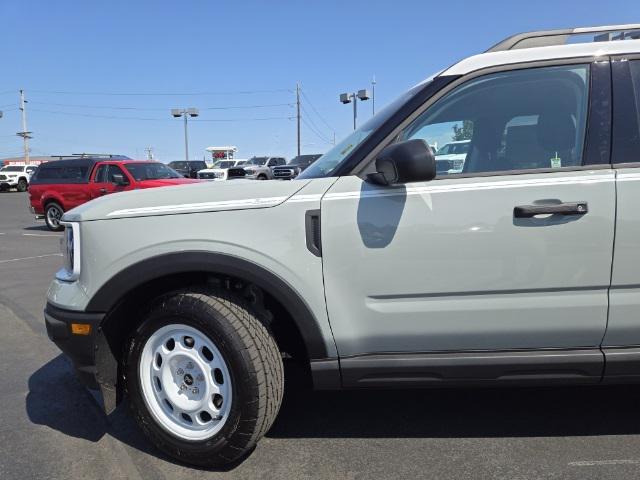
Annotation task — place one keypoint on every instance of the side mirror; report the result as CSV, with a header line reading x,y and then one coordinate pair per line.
x,y
404,162
118,179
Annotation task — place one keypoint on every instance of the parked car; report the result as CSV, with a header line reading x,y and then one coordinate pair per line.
x,y
373,270
295,167
16,176
261,168
188,169
223,170
451,156
61,185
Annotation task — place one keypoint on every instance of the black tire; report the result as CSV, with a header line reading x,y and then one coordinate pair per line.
x,y
253,360
22,185
51,211
262,176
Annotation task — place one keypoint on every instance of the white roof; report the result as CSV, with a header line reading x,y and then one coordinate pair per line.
x,y
508,57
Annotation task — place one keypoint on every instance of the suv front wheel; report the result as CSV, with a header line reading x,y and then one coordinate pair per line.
x,y
204,376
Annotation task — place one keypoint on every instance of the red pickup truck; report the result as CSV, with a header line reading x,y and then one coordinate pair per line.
x,y
61,185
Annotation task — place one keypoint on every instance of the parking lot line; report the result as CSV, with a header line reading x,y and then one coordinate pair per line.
x,y
30,258
593,463
41,235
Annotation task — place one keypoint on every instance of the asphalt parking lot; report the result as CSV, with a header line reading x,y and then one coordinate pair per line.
x,y
51,427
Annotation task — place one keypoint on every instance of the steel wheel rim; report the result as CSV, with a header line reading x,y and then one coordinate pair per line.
x,y
186,388
54,215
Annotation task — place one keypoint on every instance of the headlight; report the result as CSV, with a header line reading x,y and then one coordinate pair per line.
x,y
70,248
218,174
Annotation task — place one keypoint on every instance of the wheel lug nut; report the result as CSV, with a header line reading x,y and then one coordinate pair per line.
x,y
189,365
180,371
200,377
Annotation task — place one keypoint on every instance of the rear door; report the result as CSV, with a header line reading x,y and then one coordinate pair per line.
x,y
463,263
622,341
99,185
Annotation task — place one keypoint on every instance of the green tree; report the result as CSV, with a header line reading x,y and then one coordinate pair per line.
x,y
463,133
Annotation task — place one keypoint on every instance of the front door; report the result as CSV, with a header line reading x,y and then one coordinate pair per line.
x,y
470,261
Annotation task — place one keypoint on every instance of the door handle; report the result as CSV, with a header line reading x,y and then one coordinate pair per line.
x,y
103,191
570,208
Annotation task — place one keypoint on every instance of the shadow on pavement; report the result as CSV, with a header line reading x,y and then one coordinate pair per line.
x,y
56,399
38,228
460,413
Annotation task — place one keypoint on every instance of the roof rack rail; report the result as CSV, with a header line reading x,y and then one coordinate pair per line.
x,y
545,38
108,156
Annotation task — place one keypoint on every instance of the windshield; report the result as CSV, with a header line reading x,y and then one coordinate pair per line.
x,y
454,149
257,161
151,171
12,168
179,165
327,163
224,164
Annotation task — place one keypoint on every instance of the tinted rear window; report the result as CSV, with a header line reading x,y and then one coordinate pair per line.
x,y
52,173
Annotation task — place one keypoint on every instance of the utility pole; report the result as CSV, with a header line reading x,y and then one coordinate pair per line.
x,y
149,151
373,95
25,134
298,113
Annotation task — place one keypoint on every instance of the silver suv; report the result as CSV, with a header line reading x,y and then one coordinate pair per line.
x,y
372,269
261,168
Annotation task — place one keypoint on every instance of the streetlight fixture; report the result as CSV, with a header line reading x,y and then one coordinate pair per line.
x,y
186,113
362,95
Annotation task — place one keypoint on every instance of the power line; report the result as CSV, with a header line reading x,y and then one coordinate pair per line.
x,y
115,117
318,134
317,113
163,94
228,107
312,122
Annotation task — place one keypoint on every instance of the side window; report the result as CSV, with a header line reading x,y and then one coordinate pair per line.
x,y
626,111
101,174
115,170
272,163
517,120
75,174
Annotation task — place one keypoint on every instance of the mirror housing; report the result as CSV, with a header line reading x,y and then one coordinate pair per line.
x,y
404,162
119,180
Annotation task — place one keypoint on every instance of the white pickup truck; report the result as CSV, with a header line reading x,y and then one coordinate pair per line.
x,y
16,176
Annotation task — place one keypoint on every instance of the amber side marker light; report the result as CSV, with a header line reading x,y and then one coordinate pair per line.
x,y
80,328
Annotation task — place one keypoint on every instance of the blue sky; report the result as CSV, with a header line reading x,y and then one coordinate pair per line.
x,y
211,54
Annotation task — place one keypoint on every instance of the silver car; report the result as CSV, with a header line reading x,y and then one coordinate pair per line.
x,y
372,268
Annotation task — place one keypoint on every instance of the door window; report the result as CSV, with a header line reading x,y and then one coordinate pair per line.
x,y
115,170
626,111
101,174
510,121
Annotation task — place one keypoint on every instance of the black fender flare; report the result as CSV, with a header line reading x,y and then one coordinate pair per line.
x,y
136,275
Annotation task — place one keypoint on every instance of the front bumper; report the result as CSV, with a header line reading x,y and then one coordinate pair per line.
x,y
80,349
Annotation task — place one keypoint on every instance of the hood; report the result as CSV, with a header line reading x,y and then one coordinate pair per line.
x,y
196,197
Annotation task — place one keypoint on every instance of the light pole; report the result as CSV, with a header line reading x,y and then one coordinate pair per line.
x,y
186,113
353,97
